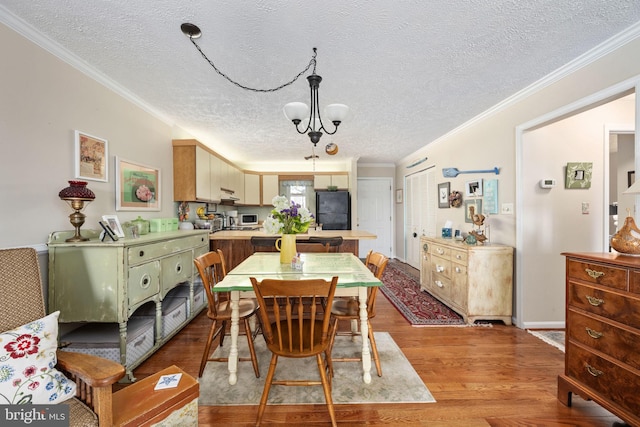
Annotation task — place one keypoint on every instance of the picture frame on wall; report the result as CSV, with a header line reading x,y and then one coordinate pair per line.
x,y
399,195
137,186
444,189
477,208
578,175
91,157
473,188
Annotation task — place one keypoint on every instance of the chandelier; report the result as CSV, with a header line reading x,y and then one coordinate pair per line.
x,y
306,120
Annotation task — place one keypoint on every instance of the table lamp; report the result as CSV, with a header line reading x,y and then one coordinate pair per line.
x,y
625,240
77,195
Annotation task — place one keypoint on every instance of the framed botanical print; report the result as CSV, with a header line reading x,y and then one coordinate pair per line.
x,y
443,194
137,186
91,154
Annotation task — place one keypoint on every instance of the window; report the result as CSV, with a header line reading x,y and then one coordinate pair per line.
x,y
299,191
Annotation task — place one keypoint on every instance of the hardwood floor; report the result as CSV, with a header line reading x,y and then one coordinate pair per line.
x,y
480,376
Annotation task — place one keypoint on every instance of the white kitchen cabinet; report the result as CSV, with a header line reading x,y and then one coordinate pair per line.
x,y
322,182
251,189
270,188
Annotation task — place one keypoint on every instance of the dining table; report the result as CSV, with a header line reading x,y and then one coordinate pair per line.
x,y
353,280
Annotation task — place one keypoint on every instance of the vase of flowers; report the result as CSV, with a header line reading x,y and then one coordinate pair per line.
x,y
287,218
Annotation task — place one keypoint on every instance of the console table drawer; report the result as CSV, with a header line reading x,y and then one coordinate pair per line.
x,y
441,251
144,282
459,256
176,269
609,379
597,273
605,337
620,308
441,266
143,253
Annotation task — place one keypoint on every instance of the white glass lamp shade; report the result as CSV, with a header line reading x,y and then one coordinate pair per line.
x,y
336,112
296,111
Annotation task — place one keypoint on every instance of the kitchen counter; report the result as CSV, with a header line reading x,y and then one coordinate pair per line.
x,y
236,244
247,234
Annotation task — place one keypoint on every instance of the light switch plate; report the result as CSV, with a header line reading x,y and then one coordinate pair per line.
x,y
585,208
507,208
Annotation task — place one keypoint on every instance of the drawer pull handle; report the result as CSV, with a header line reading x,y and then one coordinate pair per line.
x,y
440,251
145,282
140,342
178,268
141,253
594,274
594,334
425,247
439,284
458,256
593,371
458,270
594,301
439,268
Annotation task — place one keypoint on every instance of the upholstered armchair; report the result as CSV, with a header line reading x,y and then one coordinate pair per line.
x,y
22,306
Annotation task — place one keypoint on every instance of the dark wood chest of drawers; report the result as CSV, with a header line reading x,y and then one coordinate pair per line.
x,y
602,360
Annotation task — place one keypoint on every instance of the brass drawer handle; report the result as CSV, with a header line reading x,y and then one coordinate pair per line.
x,y
594,334
593,371
594,274
594,301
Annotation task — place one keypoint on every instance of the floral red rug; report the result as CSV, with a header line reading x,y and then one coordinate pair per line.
x,y
402,289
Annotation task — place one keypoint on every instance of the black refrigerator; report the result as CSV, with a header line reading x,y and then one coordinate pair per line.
x,y
333,210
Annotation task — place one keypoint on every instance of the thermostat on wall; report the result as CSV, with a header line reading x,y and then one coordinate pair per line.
x,y
547,183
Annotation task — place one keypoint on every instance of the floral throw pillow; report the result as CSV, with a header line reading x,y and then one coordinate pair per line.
x,y
27,365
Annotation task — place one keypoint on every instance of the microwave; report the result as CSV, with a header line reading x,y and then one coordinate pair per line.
x,y
247,219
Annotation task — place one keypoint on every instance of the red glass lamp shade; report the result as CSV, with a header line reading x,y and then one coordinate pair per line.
x,y
76,194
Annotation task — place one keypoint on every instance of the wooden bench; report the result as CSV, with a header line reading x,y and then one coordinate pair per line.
x,y
140,405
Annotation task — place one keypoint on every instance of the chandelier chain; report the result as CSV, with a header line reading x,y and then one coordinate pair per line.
x,y
312,62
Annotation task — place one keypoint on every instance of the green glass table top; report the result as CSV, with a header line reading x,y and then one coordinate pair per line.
x,y
350,270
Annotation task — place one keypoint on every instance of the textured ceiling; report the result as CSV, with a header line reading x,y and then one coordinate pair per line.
x,y
410,71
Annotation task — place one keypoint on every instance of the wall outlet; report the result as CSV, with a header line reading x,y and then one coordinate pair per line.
x,y
585,208
507,208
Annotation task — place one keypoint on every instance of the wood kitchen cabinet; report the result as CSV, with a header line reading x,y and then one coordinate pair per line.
x,y
602,348
474,281
108,282
196,172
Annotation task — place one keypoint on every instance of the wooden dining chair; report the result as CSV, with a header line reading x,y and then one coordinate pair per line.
x,y
347,309
212,269
334,242
295,329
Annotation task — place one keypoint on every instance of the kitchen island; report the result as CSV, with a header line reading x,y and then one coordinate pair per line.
x,y
236,244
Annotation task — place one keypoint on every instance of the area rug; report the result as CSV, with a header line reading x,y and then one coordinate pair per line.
x,y
402,289
551,337
399,382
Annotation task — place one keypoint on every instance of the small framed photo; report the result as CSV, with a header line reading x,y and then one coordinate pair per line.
x,y
399,195
444,189
114,224
472,207
91,154
473,188
108,232
137,186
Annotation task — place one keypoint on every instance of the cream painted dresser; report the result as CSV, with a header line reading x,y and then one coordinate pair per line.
x,y
602,359
474,281
103,286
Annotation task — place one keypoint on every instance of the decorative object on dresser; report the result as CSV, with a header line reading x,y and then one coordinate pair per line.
x,y
626,239
474,281
104,286
602,358
77,195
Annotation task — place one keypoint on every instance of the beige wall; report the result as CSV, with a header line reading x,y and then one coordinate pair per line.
x,y
43,101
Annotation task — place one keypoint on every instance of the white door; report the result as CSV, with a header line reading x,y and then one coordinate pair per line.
x,y
374,214
420,212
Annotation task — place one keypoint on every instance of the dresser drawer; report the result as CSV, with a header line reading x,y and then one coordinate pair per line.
x,y
143,253
597,273
176,269
619,343
441,266
621,308
441,286
612,381
441,251
143,282
459,257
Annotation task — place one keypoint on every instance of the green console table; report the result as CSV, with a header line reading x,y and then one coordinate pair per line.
x,y
94,283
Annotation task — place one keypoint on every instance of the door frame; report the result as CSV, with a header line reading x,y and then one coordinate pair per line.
x,y
388,180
